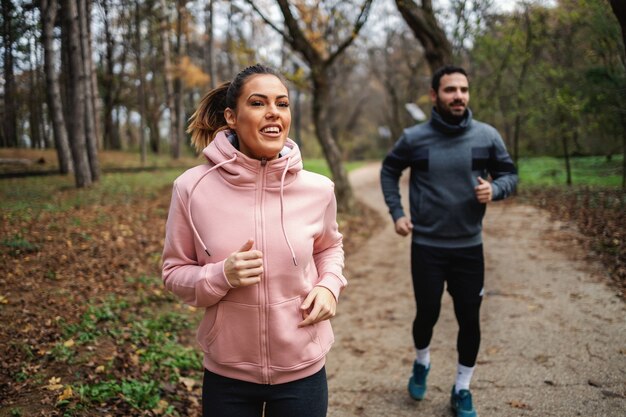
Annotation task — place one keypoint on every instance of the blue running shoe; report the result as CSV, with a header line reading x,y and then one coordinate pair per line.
x,y
417,382
461,403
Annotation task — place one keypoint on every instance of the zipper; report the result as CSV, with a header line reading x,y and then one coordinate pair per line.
x,y
263,295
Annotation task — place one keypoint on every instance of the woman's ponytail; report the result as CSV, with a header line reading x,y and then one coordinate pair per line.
x,y
208,119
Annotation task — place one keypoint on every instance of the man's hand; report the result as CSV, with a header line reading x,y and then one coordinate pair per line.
x,y
245,266
319,305
404,226
484,192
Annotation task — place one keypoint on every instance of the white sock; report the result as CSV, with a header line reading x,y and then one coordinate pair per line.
x,y
463,377
423,356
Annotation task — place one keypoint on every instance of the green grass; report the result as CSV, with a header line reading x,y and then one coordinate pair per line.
x,y
20,196
57,193
151,335
321,166
588,170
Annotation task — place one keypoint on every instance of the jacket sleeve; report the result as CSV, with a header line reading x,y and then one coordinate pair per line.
x,y
398,159
502,170
197,285
328,252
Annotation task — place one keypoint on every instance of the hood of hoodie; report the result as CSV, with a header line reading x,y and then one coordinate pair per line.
x,y
243,170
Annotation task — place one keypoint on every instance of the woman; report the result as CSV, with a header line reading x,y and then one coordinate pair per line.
x,y
253,238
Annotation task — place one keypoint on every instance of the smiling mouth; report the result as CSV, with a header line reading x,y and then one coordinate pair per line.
x,y
271,130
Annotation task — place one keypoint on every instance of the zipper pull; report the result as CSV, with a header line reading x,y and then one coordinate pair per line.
x,y
263,162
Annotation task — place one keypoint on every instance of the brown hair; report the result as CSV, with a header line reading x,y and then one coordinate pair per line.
x,y
208,119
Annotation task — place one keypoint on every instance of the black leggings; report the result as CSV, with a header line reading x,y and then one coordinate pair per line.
x,y
227,397
464,272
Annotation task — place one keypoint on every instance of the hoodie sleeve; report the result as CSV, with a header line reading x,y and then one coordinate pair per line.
x,y
398,159
328,251
197,285
502,170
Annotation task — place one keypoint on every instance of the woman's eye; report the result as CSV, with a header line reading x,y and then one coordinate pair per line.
x,y
283,104
256,103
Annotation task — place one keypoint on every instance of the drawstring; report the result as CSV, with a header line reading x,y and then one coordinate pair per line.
x,y
282,210
195,231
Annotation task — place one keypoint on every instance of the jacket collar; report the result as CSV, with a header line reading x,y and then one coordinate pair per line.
x,y
245,170
441,125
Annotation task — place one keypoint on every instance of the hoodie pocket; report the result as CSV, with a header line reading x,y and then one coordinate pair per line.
x,y
234,337
292,347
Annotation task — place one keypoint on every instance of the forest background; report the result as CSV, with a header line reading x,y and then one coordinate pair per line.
x,y
95,96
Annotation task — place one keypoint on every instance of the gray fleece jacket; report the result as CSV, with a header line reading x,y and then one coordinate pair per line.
x,y
445,161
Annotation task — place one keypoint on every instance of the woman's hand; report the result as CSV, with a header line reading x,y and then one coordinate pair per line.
x,y
319,305
244,267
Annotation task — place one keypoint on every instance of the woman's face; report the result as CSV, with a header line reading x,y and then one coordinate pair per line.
x,y
262,117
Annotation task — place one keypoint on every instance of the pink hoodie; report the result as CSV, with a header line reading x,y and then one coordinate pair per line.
x,y
251,333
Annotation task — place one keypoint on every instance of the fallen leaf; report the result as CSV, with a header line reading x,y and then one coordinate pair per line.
x,y
67,393
187,382
160,408
69,343
519,404
54,384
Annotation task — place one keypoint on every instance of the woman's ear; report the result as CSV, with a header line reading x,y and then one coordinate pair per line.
x,y
231,119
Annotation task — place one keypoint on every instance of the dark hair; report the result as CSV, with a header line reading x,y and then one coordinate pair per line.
x,y
445,70
208,119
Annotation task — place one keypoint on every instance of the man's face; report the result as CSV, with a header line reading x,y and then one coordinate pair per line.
x,y
452,98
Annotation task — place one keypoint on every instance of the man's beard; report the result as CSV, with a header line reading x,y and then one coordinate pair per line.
x,y
447,115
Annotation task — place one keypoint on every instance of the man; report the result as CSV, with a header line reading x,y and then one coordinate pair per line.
x,y
451,157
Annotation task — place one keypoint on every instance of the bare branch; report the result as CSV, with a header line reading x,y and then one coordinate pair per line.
x,y
358,25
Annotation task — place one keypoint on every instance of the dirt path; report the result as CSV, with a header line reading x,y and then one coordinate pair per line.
x,y
553,333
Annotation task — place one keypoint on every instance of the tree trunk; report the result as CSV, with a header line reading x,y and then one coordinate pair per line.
x,y
76,94
10,115
90,123
143,145
210,66
169,83
179,107
96,104
49,10
321,96
153,125
423,23
623,151
34,101
568,168
109,139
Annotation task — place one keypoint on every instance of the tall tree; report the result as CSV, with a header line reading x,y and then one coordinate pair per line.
x,y
179,107
35,110
210,40
169,80
49,10
423,22
76,94
9,121
84,22
320,47
141,103
109,80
